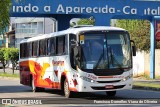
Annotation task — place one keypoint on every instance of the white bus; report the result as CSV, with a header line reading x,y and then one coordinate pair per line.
x,y
79,59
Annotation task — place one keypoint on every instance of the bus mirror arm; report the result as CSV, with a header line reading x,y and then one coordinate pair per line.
x,y
133,48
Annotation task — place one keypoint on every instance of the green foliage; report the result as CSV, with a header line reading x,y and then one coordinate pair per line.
x,y
1,55
139,31
4,57
4,14
9,75
147,84
86,22
13,57
7,54
157,45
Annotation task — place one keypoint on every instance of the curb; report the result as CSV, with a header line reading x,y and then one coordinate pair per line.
x,y
146,88
146,80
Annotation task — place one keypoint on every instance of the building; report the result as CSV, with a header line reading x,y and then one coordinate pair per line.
x,y
10,38
32,26
3,38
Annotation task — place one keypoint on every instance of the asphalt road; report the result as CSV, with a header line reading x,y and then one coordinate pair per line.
x,y
11,88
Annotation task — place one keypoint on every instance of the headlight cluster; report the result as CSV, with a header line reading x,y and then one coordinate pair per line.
x,y
87,79
127,78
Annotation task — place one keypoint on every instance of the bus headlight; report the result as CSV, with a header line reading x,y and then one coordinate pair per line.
x,y
127,78
87,79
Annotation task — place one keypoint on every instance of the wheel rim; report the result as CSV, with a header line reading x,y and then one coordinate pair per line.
x,y
66,90
33,86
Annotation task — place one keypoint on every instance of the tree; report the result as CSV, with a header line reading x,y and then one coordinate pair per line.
x,y
84,21
139,31
4,57
13,57
4,14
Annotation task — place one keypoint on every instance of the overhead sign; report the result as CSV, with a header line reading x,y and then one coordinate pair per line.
x,y
108,7
101,10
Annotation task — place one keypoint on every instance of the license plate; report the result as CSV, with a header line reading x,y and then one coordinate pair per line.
x,y
109,86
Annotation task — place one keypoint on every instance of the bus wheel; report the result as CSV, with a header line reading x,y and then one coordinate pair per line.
x,y
111,93
36,89
67,92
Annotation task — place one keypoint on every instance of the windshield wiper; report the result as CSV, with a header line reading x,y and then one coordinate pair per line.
x,y
113,59
83,59
99,60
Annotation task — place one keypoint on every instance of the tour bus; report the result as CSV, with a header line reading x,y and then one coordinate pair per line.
x,y
79,59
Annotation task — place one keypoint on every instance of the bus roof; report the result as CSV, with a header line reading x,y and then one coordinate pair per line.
x,y
73,30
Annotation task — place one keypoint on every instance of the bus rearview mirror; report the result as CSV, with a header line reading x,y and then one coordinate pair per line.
x,y
77,55
134,50
77,52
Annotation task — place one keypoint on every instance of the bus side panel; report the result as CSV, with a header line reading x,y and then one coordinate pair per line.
x,y
41,73
25,73
62,67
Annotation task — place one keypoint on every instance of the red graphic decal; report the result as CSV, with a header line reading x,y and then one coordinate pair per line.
x,y
57,63
38,72
73,89
56,72
75,82
56,85
49,81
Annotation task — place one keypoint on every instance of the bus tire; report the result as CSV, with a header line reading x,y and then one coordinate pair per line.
x,y
111,93
40,89
36,89
67,92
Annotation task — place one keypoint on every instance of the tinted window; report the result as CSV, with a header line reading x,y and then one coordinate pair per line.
x,y
30,49
22,50
61,45
72,40
34,48
25,50
42,47
51,46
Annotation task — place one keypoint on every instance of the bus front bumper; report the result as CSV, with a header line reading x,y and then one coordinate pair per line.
x,y
85,86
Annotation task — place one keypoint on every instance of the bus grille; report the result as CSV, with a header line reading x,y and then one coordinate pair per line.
x,y
108,81
103,88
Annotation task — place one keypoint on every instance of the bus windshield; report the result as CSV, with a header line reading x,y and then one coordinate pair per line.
x,y
105,50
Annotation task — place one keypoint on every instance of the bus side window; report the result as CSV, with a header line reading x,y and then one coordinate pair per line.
x,y
34,49
71,38
22,50
60,45
48,47
51,46
30,49
25,50
66,45
42,47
